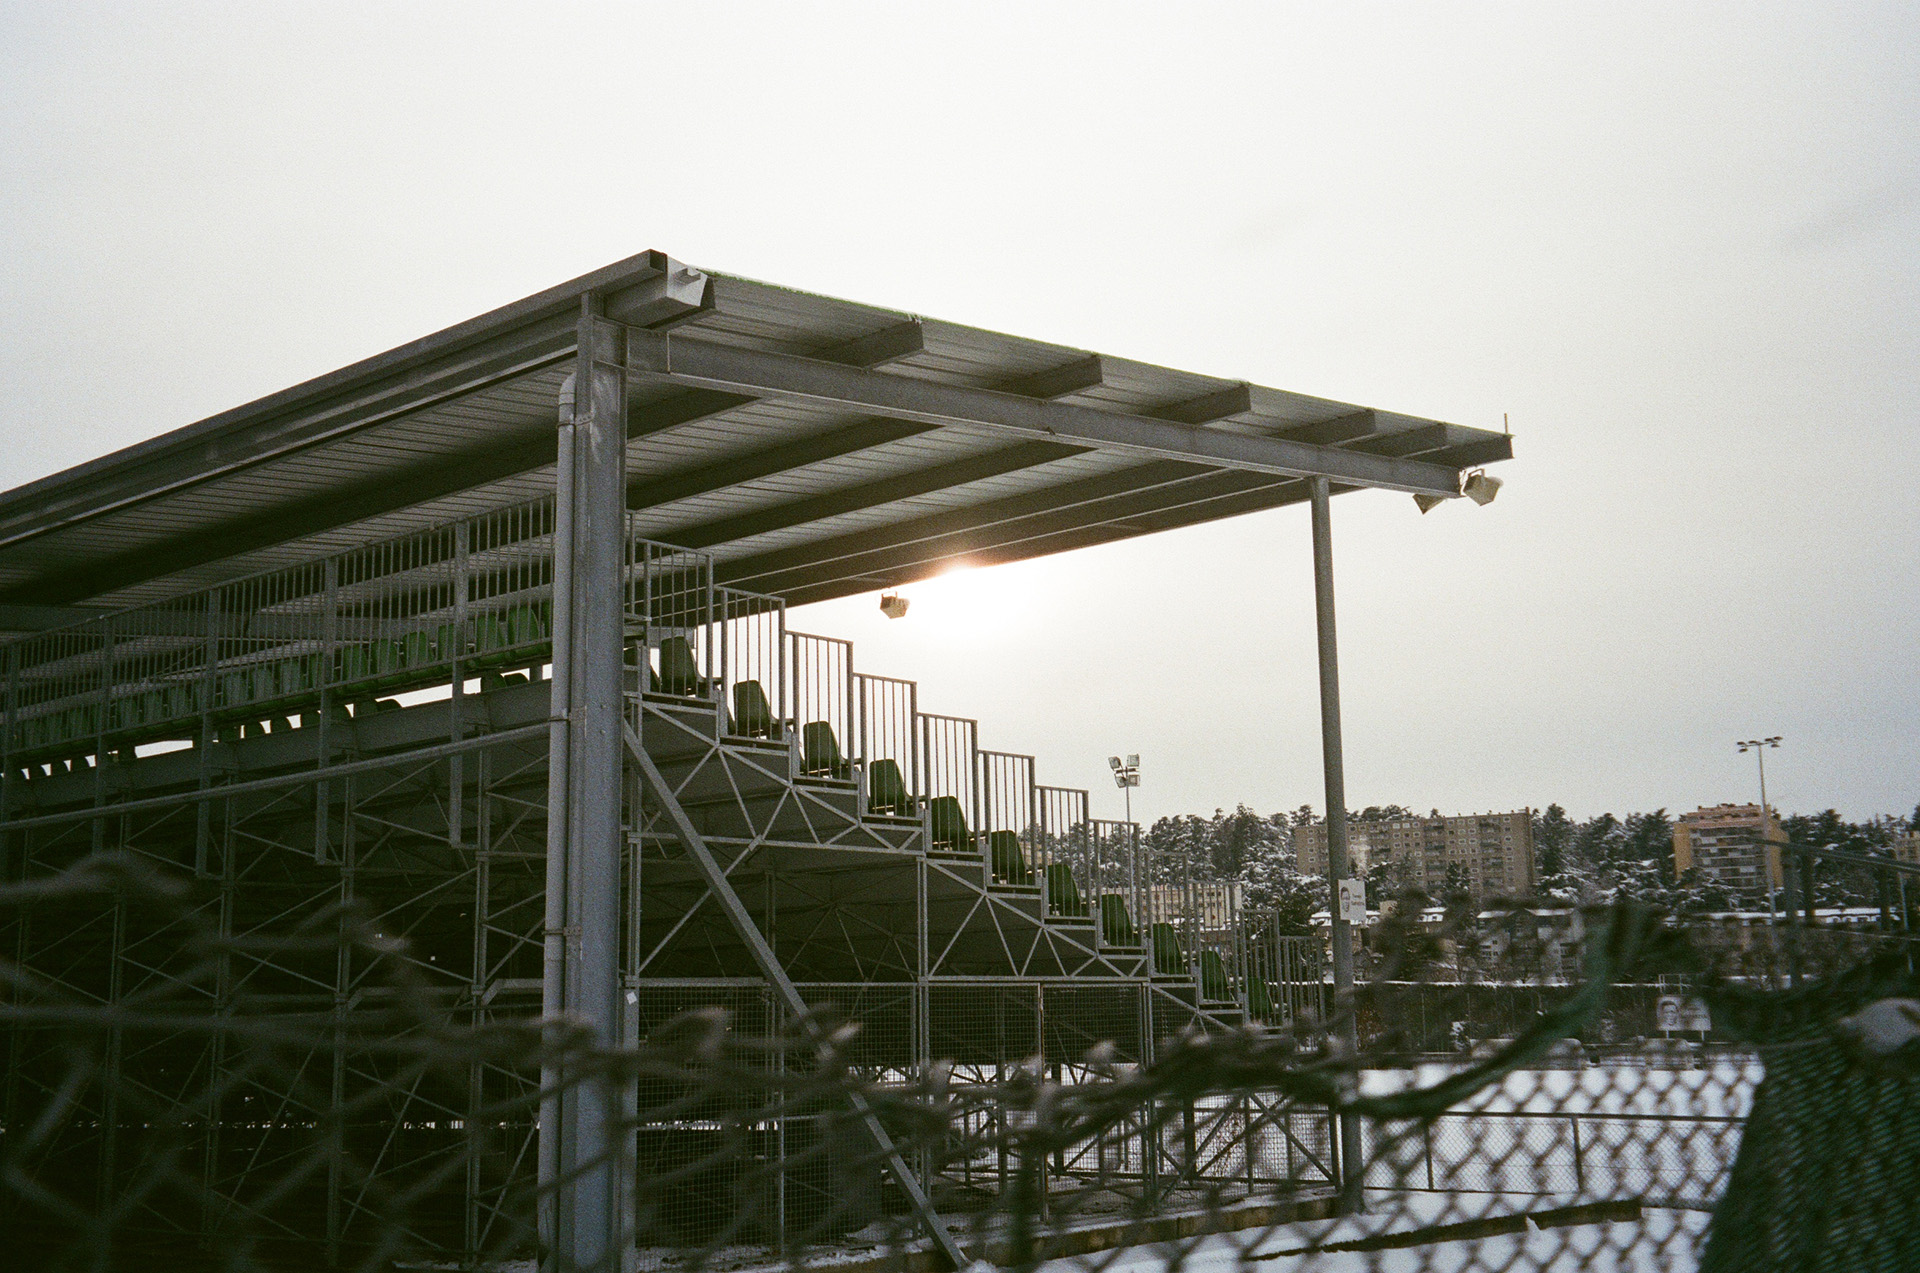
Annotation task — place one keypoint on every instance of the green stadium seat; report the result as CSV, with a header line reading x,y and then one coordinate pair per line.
x,y
354,663
234,689
1009,864
1116,925
752,715
525,626
679,673
416,650
265,678
887,789
123,714
182,700
1213,977
1063,893
820,752
947,825
489,639
1168,961
1259,1000
300,674
389,662
447,644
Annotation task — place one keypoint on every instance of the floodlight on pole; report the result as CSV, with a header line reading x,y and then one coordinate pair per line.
x,y
1758,746
1126,776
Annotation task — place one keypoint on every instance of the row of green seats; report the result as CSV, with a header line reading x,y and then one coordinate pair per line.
x,y
499,639
1168,961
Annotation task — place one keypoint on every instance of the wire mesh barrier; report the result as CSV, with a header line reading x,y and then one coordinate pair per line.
x,y
204,1098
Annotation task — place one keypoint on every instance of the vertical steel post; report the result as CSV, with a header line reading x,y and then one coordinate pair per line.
x,y
592,1205
1334,765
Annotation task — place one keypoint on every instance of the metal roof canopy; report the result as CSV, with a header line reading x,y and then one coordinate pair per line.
x,y
815,447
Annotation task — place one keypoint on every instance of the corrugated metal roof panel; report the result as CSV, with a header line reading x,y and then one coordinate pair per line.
x,y
392,447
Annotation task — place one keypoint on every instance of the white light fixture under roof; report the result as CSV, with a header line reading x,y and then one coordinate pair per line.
x,y
893,605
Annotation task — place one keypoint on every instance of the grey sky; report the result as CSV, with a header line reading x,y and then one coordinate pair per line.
x,y
1679,245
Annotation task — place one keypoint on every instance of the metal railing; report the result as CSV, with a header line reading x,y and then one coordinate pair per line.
x,y
1016,855
820,703
947,746
884,750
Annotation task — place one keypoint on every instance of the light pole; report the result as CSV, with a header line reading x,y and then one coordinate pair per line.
x,y
1126,776
1758,746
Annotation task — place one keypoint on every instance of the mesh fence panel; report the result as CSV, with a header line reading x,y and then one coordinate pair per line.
x,y
182,1099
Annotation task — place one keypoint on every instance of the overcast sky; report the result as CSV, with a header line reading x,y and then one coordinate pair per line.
x,y
1678,245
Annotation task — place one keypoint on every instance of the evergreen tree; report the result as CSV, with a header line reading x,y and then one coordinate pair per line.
x,y
1552,836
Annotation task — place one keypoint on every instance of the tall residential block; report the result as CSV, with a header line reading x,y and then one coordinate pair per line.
x,y
1733,845
1494,849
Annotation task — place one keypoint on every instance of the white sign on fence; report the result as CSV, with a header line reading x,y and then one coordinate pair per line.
x,y
1676,1012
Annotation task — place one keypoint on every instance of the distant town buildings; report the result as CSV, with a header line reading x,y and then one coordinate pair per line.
x,y
1213,903
1494,850
1732,845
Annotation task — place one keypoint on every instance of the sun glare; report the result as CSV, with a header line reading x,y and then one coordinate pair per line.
x,y
971,605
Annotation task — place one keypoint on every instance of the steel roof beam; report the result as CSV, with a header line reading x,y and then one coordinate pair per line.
x,y
708,365
1031,541
1059,382
877,349
768,571
1024,518
886,490
860,436
1161,498
783,562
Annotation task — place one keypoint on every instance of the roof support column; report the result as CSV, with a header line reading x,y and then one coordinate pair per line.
x,y
585,1149
1334,762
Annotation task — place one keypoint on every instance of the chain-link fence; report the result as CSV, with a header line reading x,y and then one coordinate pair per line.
x,y
1710,1095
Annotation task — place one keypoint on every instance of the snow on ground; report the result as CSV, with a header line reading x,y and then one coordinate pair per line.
x,y
1539,1139
1662,1240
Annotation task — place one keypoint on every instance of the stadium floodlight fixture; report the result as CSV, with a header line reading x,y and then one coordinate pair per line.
x,y
893,605
1480,487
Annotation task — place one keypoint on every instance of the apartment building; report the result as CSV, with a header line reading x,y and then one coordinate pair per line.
x,y
1733,845
1494,849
